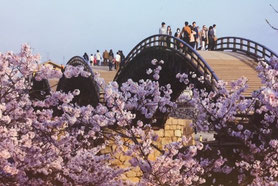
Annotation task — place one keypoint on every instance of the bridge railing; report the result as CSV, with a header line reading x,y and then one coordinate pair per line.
x,y
172,43
246,46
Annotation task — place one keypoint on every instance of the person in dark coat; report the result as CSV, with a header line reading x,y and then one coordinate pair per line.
x,y
211,38
111,59
122,59
86,57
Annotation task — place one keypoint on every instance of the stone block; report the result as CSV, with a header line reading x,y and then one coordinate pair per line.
x,y
169,133
170,120
165,141
171,127
188,130
174,139
160,132
174,121
167,126
178,133
188,122
179,139
181,122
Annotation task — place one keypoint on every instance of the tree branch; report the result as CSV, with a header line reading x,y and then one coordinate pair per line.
x,y
274,28
273,8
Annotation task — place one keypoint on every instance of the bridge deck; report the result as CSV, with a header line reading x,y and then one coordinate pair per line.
x,y
230,66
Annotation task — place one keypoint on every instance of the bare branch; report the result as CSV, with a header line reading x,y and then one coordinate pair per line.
x,y
273,8
271,25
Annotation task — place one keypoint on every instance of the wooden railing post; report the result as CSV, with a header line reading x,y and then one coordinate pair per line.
x,y
234,43
248,47
241,44
263,52
228,42
256,49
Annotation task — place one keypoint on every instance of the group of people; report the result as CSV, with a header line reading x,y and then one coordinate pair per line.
x,y
204,39
107,58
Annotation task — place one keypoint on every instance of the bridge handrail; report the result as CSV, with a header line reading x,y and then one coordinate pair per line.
x,y
247,46
173,43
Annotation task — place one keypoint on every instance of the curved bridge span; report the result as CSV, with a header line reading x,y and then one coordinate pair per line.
x,y
232,58
178,57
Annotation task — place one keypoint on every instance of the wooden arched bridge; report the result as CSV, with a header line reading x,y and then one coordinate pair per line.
x,y
232,58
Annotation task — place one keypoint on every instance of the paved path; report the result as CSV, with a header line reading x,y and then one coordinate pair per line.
x,y
105,73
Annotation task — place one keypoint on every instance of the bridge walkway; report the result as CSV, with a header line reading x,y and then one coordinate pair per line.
x,y
227,65
230,66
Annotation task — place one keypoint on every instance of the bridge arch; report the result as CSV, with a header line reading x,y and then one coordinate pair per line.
x,y
179,57
89,90
40,89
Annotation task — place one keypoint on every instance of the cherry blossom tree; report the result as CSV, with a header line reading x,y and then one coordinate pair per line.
x,y
39,147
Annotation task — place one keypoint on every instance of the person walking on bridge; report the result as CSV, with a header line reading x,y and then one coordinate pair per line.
x,y
204,37
117,61
196,36
192,37
111,59
105,56
186,32
163,30
178,35
86,57
211,38
214,36
122,59
92,59
98,58
169,33
214,29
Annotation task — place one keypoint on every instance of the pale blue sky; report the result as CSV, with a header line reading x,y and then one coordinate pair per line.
x,y
60,29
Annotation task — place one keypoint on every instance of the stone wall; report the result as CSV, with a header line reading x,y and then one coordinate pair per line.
x,y
173,131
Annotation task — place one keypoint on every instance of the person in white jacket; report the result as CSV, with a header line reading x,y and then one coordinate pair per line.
x,y
163,30
98,58
204,37
92,59
118,60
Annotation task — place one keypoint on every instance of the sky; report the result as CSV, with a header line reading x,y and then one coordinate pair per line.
x,y
61,29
